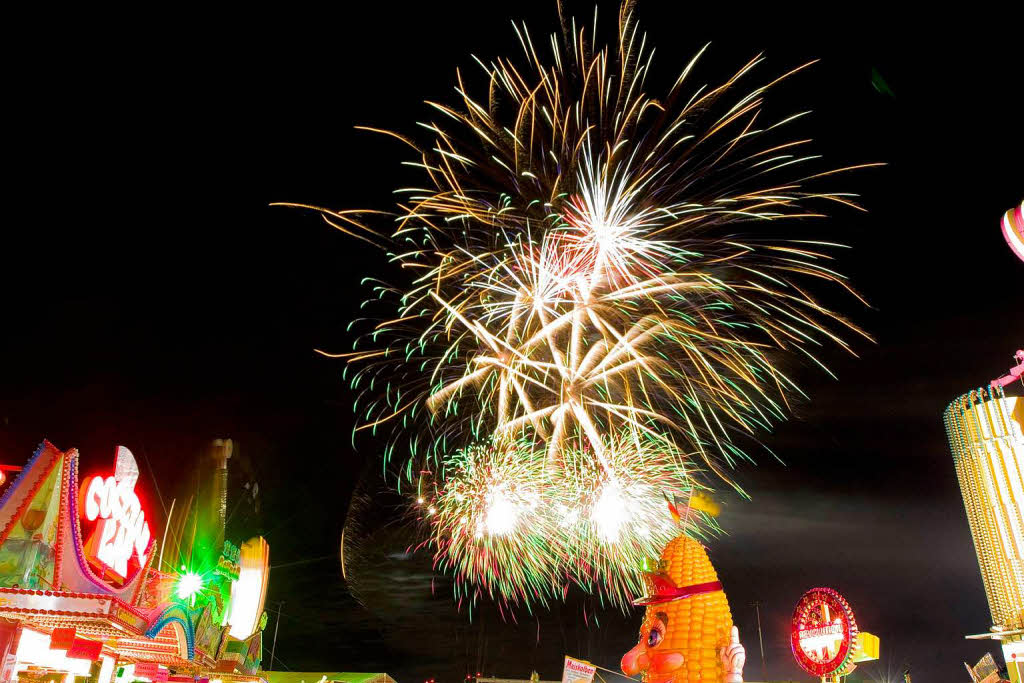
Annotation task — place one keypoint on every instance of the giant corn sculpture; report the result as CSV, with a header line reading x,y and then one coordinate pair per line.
x,y
687,634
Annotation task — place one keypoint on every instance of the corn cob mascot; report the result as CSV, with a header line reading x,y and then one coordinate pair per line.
x,y
687,634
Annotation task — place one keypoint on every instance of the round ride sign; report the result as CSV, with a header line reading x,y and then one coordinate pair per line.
x,y
823,633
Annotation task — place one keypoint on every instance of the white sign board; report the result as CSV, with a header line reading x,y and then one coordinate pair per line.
x,y
578,671
54,602
1013,652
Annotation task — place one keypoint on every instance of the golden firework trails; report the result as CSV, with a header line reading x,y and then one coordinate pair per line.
x,y
594,269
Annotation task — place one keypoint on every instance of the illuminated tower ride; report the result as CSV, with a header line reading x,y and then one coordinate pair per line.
x,y
985,434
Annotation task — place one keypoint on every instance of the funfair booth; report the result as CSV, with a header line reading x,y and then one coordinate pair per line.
x,y
81,598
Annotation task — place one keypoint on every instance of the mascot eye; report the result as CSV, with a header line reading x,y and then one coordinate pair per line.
x,y
654,637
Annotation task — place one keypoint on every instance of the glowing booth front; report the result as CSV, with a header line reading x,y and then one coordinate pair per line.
x,y
80,594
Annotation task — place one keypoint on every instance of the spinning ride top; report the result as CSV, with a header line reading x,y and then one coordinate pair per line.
x,y
986,437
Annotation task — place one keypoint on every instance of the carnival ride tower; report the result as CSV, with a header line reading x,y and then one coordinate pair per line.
x,y
220,451
986,434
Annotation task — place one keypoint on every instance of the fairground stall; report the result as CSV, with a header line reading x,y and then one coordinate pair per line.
x,y
326,677
83,597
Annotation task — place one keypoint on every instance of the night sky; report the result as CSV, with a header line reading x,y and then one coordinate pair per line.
x,y
152,298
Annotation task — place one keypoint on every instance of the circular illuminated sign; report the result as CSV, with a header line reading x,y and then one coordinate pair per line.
x,y
823,632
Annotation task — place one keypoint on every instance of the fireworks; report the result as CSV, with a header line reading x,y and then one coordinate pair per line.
x,y
598,295
506,524
487,513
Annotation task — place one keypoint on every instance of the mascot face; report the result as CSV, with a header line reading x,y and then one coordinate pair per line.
x,y
687,635
652,657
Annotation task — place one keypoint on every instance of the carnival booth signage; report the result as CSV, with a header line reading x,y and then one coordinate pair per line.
x,y
578,671
823,633
120,541
80,593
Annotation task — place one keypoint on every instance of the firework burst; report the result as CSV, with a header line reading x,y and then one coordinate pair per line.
x,y
487,523
508,525
595,276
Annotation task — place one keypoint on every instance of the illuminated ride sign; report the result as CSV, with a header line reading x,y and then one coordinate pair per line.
x,y
1013,230
120,541
823,633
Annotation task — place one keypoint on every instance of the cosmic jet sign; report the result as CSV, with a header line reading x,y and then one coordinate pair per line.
x,y
120,541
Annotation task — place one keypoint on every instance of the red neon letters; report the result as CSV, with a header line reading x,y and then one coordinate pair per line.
x,y
121,528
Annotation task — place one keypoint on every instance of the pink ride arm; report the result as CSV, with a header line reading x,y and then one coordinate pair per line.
x,y
1014,374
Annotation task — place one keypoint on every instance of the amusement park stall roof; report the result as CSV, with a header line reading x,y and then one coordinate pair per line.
x,y
315,676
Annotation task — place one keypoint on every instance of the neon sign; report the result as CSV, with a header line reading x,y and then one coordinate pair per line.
x,y
823,633
1013,230
121,540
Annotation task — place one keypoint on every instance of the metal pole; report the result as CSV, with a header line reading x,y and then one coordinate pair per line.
x,y
757,609
163,541
277,625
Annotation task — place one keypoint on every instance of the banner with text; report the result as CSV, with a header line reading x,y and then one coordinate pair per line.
x,y
578,671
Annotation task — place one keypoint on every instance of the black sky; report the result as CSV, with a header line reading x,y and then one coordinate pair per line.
x,y
151,298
